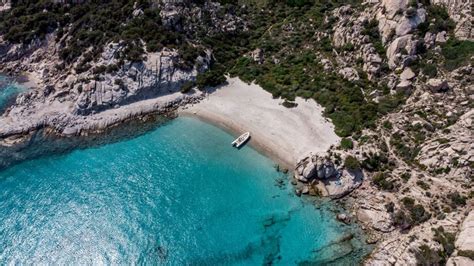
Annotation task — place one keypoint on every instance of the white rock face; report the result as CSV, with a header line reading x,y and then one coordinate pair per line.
x,y
403,86
257,56
437,85
407,74
5,5
459,146
441,37
408,24
310,171
394,50
349,73
379,220
465,239
393,6
459,261
159,74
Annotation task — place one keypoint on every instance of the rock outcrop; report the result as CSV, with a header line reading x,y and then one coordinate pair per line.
x,y
464,240
70,104
437,85
157,75
324,177
5,5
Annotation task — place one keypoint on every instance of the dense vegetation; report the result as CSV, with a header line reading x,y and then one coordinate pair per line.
x,y
285,33
455,53
90,26
291,68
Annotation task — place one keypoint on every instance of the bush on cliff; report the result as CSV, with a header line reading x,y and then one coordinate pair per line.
x,y
347,144
351,163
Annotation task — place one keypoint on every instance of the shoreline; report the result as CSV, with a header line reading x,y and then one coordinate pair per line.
x,y
286,135
26,80
235,130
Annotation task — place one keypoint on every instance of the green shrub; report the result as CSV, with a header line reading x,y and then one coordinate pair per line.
x,y
289,104
457,53
387,124
186,87
408,202
418,214
466,253
371,28
446,240
426,256
381,180
390,207
456,199
351,163
401,219
406,176
347,144
423,185
429,70
375,162
210,78
442,21
119,82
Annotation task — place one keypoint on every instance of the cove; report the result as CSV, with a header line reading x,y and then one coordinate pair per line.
x,y
179,194
8,92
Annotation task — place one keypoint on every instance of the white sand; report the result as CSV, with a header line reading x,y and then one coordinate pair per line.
x,y
285,134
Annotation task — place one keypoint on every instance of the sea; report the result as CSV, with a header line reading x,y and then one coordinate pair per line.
x,y
176,195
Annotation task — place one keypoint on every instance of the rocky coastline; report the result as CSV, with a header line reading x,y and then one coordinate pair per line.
x,y
69,105
405,179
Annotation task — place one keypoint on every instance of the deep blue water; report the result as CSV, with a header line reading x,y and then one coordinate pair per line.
x,y
179,194
8,91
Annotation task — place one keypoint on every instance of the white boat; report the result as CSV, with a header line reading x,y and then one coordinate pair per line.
x,y
241,140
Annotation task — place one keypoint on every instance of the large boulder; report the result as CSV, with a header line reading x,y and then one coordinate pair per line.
x,y
441,37
401,47
392,7
339,183
257,56
349,73
429,40
403,86
407,74
410,21
377,219
437,85
314,167
310,171
459,261
326,170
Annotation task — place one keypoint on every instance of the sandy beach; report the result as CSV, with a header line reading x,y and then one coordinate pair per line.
x,y
284,134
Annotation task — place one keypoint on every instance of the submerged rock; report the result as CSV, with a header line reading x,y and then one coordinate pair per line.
x,y
342,217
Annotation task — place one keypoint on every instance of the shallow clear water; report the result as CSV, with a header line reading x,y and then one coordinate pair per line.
x,y
8,91
177,195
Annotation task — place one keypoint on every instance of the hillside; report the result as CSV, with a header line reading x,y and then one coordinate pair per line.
x,y
395,78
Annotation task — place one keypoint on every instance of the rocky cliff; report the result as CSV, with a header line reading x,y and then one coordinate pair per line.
x,y
416,164
394,76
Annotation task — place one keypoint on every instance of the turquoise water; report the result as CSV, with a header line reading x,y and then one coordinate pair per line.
x,y
8,90
179,194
